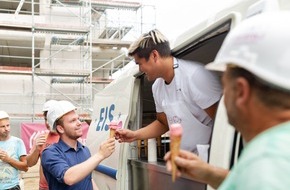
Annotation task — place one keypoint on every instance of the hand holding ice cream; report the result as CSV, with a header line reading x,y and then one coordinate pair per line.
x,y
114,125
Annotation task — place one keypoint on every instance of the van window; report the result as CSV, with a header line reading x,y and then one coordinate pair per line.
x,y
205,48
148,116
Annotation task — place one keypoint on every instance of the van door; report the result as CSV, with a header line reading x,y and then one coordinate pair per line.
x,y
225,142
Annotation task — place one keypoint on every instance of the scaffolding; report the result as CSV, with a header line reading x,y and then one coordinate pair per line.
x,y
63,49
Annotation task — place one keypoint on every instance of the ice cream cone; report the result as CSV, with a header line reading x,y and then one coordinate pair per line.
x,y
175,140
114,125
112,132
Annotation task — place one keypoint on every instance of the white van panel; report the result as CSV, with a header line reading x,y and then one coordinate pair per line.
x,y
112,103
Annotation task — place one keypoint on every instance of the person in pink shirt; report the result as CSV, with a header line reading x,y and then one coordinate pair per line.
x,y
42,140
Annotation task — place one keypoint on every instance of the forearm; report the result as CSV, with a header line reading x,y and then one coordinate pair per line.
x,y
33,157
18,164
216,176
155,129
80,171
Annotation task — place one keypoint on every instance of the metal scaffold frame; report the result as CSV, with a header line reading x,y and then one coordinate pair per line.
x,y
57,45
75,46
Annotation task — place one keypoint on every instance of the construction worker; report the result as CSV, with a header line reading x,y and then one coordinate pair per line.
x,y
68,164
43,139
12,156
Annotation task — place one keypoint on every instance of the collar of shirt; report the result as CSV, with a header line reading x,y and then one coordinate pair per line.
x,y
66,148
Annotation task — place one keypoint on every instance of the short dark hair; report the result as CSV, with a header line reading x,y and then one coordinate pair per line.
x,y
153,40
45,115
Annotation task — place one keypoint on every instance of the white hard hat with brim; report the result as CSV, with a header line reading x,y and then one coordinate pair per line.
x,y
48,104
259,44
57,111
4,115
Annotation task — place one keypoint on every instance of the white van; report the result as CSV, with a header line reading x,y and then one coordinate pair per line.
x,y
129,99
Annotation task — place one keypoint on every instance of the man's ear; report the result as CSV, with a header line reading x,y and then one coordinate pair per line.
x,y
60,129
243,91
155,55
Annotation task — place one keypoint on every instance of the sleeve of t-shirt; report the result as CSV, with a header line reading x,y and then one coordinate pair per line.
x,y
205,87
156,97
21,148
263,174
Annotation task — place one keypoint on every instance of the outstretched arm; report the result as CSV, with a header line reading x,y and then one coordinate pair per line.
x,y
80,171
155,129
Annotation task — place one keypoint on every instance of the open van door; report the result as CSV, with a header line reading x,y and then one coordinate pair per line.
x,y
203,47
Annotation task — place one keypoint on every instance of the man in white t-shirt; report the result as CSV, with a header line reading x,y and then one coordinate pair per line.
x,y
184,92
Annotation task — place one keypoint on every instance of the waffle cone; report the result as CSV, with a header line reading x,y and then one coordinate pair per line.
x,y
112,133
174,149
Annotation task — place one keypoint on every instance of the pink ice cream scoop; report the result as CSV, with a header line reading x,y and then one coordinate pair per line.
x,y
114,125
176,129
175,140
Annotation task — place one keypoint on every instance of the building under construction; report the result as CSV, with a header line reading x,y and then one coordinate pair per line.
x,y
63,50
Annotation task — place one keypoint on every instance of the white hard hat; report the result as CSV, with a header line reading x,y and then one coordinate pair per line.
x,y
260,44
48,104
3,115
59,109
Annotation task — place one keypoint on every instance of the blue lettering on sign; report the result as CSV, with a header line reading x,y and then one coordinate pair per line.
x,y
106,112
